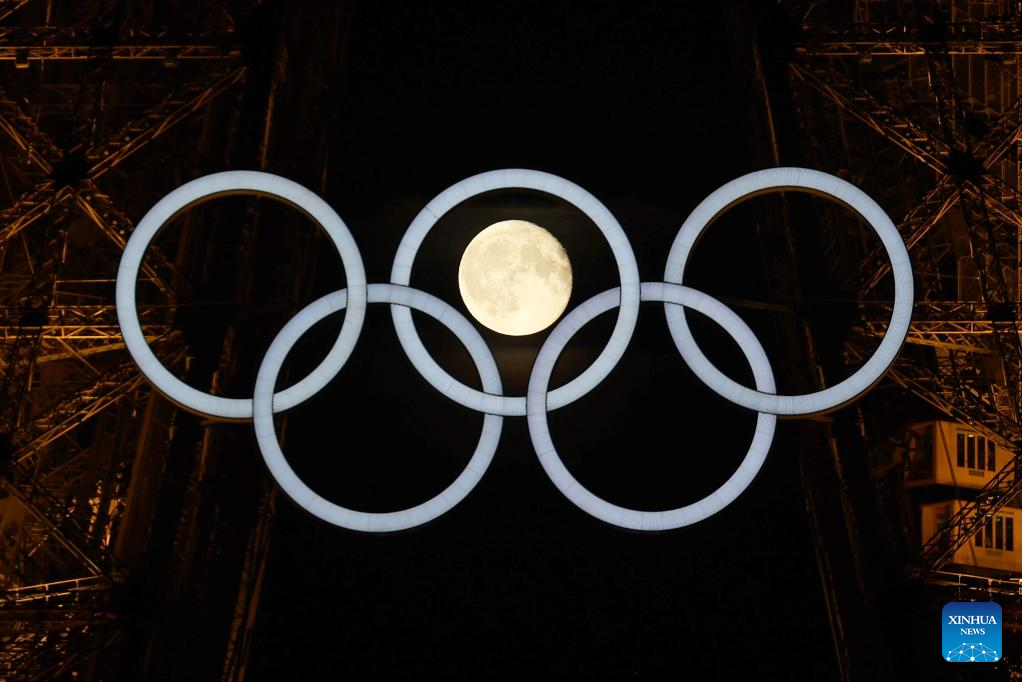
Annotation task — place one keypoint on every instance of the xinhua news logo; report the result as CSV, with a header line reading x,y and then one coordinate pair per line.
x,y
971,632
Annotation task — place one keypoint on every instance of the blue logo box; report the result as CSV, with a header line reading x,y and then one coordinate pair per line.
x,y
971,632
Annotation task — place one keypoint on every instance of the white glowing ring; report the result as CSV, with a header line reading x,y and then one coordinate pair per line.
x,y
822,184
491,401
539,429
628,271
199,191
317,505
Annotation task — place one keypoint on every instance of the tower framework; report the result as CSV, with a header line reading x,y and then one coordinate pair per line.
x,y
103,485
919,104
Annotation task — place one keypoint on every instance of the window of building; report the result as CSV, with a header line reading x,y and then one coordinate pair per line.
x,y
961,449
979,536
1009,533
999,532
970,451
988,535
991,459
981,452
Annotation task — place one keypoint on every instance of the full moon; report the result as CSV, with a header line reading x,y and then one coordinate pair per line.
x,y
515,278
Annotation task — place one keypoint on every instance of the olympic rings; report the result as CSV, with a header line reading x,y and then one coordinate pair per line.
x,y
822,184
304,496
199,191
538,400
628,271
575,491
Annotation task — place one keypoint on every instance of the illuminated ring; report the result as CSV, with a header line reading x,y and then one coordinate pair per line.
x,y
820,184
628,271
304,496
199,191
539,429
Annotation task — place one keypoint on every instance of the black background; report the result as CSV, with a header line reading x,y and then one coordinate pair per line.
x,y
643,105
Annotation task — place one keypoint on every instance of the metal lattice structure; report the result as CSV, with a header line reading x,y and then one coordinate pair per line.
x,y
929,93
919,103
81,433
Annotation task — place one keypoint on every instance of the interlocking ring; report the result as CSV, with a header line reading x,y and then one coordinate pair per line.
x,y
304,496
622,516
199,191
538,400
820,184
628,271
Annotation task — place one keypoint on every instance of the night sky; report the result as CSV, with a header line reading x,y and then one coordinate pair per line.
x,y
643,105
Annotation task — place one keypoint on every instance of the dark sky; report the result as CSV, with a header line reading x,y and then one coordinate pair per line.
x,y
640,104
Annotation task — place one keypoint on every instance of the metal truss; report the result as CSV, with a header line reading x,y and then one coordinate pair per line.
x,y
253,571
65,490
867,40
78,331
985,585
71,43
950,325
100,159
912,81
928,149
